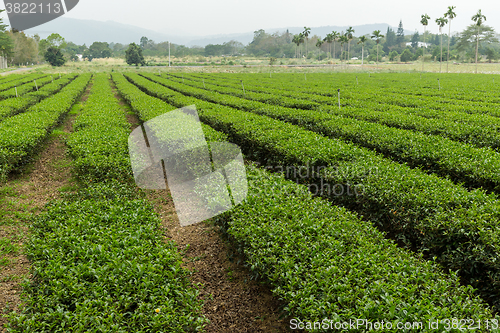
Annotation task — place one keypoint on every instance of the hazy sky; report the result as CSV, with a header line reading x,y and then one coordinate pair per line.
x,y
202,17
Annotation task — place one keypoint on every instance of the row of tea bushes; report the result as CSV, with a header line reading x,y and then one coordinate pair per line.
x,y
22,134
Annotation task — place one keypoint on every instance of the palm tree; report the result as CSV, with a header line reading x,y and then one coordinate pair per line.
x,y
349,33
296,40
343,39
450,14
306,33
319,43
335,36
329,39
424,21
479,19
378,36
441,22
362,41
301,41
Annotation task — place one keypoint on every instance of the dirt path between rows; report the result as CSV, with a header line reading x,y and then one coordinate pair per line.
x,y
233,302
23,196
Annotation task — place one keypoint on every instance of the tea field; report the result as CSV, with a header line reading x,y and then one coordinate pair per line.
x,y
371,196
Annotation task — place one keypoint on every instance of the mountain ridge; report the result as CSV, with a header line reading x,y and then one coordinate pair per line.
x,y
86,32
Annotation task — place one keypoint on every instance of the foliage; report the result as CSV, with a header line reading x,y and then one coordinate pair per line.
x,y
22,134
53,40
13,106
27,87
25,48
393,55
97,50
467,39
101,154
101,261
6,42
325,262
54,56
406,55
271,245
133,55
118,273
400,34
491,54
415,38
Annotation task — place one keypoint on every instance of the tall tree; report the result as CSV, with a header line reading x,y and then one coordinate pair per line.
x,y
54,56
296,41
362,41
6,42
349,33
441,22
335,35
319,43
343,39
144,42
450,14
306,33
390,37
414,39
329,39
377,36
425,22
478,19
467,38
97,50
25,48
400,34
133,55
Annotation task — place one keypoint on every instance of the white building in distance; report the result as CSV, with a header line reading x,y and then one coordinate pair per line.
x,y
420,44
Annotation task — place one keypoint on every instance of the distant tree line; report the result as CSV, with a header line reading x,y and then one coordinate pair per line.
x,y
476,41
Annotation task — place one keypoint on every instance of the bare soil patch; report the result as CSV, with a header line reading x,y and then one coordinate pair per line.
x,y
233,302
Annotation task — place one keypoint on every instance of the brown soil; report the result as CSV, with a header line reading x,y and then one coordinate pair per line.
x,y
233,302
24,195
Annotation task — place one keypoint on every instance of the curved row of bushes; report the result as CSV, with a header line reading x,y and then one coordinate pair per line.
x,y
476,167
27,87
13,106
19,80
477,129
461,93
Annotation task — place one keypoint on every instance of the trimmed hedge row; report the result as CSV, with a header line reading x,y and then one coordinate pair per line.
x,y
22,134
100,264
147,107
12,106
326,263
385,90
19,81
99,144
435,216
478,129
26,88
476,167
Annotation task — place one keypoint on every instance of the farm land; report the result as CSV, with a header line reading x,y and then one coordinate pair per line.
x,y
391,212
